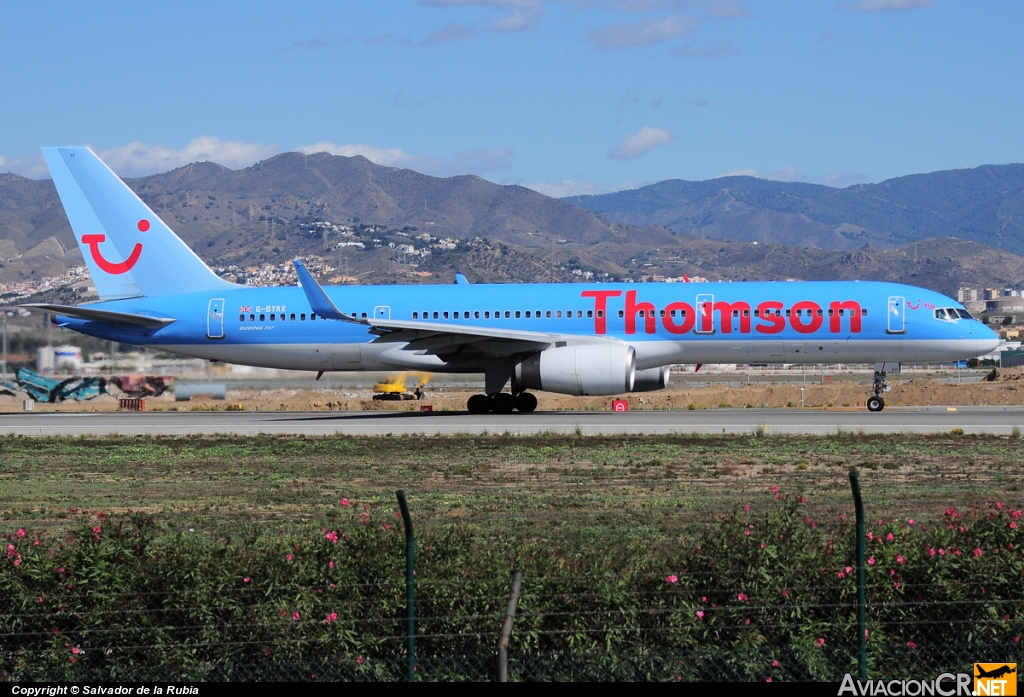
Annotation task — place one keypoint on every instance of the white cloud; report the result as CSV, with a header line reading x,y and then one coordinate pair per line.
x,y
887,5
514,15
641,143
449,32
138,159
722,48
647,33
468,161
727,9
789,173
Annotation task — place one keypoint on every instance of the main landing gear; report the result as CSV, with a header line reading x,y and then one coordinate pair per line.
x,y
501,403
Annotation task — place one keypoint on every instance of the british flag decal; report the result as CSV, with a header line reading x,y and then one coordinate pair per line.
x,y
245,308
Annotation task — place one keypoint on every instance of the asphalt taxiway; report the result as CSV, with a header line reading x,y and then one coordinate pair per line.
x,y
993,420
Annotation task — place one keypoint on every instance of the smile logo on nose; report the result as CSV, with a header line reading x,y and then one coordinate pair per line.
x,y
114,267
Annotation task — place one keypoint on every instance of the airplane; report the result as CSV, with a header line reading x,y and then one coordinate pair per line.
x,y
573,339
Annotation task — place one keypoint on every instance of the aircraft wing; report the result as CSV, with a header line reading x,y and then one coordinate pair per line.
x,y
431,337
108,316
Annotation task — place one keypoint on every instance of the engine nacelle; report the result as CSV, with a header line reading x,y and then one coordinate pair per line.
x,y
651,379
589,369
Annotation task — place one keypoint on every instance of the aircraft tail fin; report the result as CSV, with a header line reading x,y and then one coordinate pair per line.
x,y
130,252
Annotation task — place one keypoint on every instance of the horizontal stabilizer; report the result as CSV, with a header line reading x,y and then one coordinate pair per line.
x,y
108,316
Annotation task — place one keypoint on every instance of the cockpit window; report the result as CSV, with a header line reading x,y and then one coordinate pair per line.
x,y
964,314
940,314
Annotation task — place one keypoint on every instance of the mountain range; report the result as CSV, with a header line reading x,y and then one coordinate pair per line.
x,y
732,228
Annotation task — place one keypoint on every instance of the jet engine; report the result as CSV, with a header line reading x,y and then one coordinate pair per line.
x,y
651,379
588,369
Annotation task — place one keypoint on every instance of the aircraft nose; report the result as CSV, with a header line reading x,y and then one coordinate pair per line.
x,y
987,341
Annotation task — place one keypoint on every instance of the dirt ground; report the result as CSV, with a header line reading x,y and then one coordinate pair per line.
x,y
1006,389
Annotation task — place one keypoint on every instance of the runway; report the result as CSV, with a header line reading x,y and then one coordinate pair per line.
x,y
992,420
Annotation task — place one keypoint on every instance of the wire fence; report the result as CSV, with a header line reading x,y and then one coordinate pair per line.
x,y
652,567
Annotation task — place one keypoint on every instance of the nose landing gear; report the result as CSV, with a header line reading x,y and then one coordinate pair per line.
x,y
880,386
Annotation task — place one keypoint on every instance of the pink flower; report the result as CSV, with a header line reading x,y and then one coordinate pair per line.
x,y
746,508
977,552
42,600
246,579
871,535
296,616
742,597
931,552
775,664
672,578
900,559
343,502
774,489
911,521
942,552
746,621
359,660
386,526
37,543
889,537
332,536
331,617
821,641
17,562
1013,526
785,592
762,545
21,533
398,514
289,556
700,614
840,575
871,561
842,516
76,650
911,644
848,569
747,533
330,564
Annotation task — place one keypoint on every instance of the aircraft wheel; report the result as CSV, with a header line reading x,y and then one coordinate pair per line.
x,y
478,404
526,402
503,403
876,403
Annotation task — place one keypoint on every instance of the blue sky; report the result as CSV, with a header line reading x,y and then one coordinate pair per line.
x,y
564,96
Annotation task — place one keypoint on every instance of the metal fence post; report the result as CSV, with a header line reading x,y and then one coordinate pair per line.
x,y
862,621
410,586
506,626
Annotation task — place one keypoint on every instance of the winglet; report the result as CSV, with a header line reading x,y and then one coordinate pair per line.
x,y
318,300
460,280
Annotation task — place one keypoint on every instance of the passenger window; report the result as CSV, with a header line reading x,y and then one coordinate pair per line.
x,y
558,314
312,316
621,313
302,317
864,312
435,315
650,313
364,314
273,318
487,314
241,318
590,313
579,314
600,313
507,314
547,314
476,315
415,315
819,312
292,318
518,314
787,313
527,314
263,318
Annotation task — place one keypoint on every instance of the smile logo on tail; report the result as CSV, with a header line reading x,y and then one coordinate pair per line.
x,y
113,267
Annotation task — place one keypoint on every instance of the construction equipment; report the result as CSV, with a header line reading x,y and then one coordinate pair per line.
x,y
43,389
394,389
